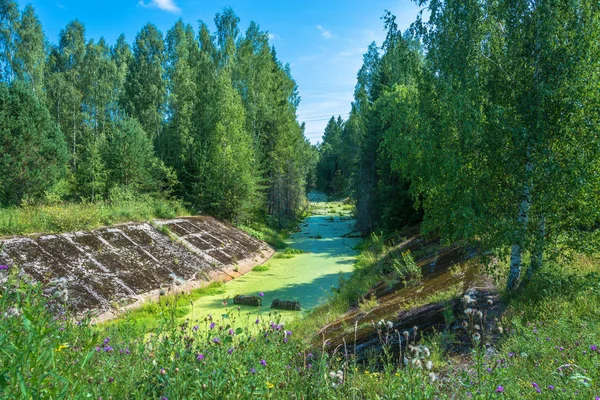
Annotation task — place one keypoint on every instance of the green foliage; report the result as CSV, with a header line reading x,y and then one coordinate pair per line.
x,y
210,118
265,232
33,148
261,268
549,342
122,206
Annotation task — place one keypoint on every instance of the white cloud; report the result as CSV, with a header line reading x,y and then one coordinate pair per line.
x,y
59,5
167,5
273,36
324,32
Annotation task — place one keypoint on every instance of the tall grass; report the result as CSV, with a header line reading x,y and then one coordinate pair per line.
x,y
545,346
66,217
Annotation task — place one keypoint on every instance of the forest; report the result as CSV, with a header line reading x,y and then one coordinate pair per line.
x,y
443,238
481,122
205,118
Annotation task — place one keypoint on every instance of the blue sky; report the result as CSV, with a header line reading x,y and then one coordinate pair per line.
x,y
323,41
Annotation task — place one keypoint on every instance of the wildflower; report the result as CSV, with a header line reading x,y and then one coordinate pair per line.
x,y
3,267
257,321
216,340
500,389
200,357
390,324
469,311
288,333
12,312
108,349
263,362
162,371
252,370
106,340
261,294
405,334
551,387
468,299
212,325
426,352
429,365
270,385
490,302
61,347
230,350
195,328
593,348
231,331
432,376
476,336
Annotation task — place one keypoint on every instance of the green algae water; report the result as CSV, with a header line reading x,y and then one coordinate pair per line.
x,y
307,277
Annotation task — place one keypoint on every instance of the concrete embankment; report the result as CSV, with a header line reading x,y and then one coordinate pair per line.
x,y
113,268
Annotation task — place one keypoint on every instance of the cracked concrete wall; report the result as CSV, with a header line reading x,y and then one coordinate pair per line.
x,y
120,266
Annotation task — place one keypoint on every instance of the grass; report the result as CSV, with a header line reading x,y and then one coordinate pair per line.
x,y
549,343
261,268
69,217
288,253
263,231
172,304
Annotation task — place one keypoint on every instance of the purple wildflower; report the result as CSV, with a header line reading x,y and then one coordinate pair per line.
x,y
252,370
108,349
106,340
3,267
200,357
231,331
593,348
212,325
288,333
98,349
195,327
263,362
551,387
257,321
500,389
216,340
230,351
261,294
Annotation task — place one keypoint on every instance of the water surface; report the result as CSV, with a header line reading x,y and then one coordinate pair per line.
x,y
308,277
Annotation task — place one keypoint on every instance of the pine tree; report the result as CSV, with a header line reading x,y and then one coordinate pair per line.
x,y
33,149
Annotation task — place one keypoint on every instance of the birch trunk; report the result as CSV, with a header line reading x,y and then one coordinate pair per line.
x,y
516,257
537,259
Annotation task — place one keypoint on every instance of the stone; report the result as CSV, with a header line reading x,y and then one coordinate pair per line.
x,y
247,300
292,305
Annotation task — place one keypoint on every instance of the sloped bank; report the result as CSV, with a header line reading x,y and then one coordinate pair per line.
x,y
109,269
434,304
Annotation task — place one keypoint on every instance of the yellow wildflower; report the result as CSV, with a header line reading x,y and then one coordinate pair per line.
x,y
62,346
270,385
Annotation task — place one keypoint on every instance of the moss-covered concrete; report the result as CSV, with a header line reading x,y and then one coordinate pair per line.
x,y
109,269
